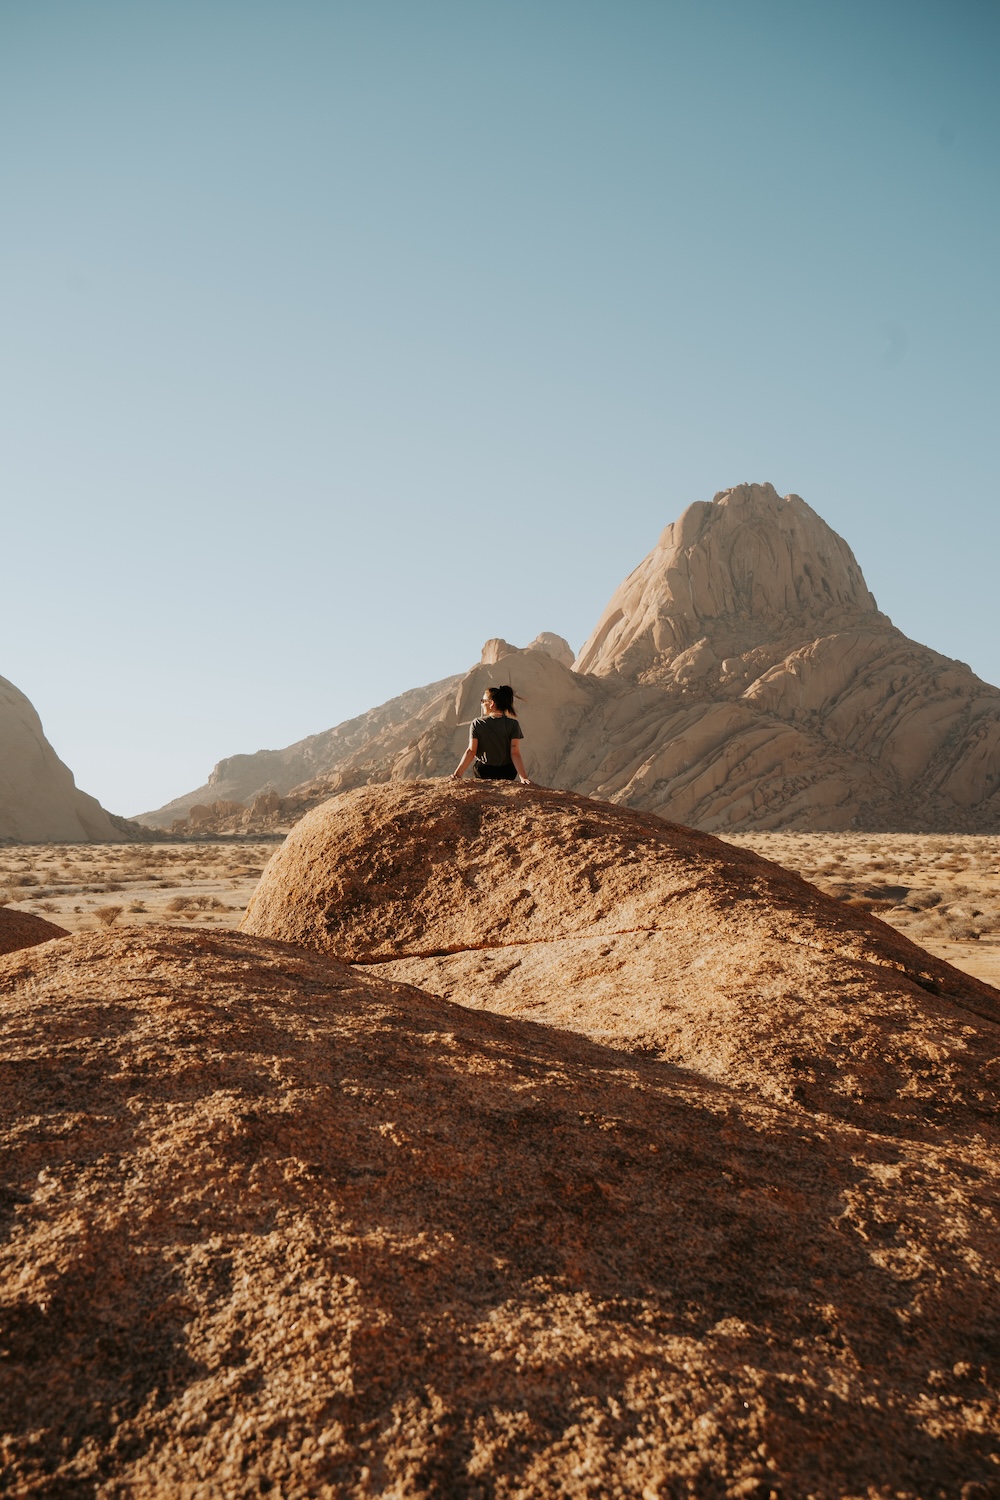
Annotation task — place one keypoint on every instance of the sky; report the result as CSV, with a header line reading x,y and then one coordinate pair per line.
x,y
341,335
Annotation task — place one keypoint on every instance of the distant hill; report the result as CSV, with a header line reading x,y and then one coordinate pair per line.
x,y
741,677
242,778
39,800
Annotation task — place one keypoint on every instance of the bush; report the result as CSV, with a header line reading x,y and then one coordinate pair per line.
x,y
108,914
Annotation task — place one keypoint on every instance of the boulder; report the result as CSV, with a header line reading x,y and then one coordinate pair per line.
x,y
208,815
555,646
643,935
272,1225
22,929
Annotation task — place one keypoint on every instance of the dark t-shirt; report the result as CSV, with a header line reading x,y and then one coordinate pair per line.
x,y
493,738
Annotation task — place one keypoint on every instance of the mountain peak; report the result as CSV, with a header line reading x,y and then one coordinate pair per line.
x,y
733,573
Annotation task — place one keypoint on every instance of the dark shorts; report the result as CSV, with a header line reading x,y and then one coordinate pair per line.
x,y
495,773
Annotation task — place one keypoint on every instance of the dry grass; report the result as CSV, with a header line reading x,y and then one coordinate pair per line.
x,y
66,882
941,890
108,915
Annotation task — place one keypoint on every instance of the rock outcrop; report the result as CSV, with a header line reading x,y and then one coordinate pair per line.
x,y
646,936
272,1225
39,800
789,699
22,929
742,677
750,572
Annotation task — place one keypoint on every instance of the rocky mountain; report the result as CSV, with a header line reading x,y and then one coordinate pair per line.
x,y
790,700
39,800
253,790
244,778
694,1193
742,677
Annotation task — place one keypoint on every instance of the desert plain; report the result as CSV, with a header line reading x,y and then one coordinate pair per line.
x,y
941,890
87,887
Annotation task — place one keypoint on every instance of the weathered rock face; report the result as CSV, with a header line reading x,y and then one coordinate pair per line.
x,y
22,929
643,935
723,580
789,700
273,1225
742,677
39,800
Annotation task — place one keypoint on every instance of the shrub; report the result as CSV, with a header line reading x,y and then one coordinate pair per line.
x,y
108,914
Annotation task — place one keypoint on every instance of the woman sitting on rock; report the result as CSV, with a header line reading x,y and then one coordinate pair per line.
x,y
495,741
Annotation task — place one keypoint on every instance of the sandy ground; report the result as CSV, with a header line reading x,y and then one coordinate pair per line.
x,y
86,887
941,890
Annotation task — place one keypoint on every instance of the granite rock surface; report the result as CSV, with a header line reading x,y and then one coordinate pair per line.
x,y
272,1225
646,936
22,929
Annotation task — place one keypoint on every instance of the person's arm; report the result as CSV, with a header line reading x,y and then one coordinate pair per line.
x,y
466,761
515,755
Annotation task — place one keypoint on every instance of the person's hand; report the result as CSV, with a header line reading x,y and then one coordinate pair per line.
x,y
524,781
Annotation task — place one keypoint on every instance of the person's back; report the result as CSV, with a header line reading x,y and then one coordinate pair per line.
x,y
495,740
493,737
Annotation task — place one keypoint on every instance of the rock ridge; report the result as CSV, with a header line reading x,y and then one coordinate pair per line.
x,y
750,566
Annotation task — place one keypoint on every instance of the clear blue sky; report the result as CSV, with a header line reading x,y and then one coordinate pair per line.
x,y
339,335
